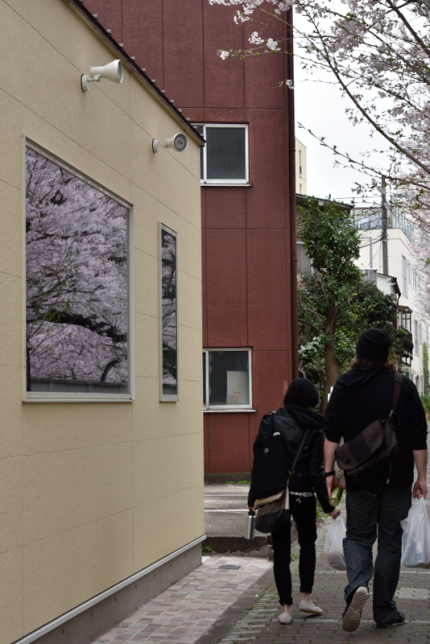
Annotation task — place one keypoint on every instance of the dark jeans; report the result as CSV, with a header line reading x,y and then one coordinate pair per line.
x,y
371,514
304,513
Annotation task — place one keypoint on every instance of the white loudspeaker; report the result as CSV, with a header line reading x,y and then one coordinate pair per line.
x,y
112,71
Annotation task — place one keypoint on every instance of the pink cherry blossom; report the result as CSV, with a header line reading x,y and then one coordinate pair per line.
x,y
77,297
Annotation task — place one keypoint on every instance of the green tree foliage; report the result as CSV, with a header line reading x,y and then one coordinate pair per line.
x,y
335,303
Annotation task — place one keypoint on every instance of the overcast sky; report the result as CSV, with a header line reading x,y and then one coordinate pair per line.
x,y
321,108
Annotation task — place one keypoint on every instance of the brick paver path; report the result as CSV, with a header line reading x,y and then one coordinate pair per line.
x,y
193,611
186,610
260,624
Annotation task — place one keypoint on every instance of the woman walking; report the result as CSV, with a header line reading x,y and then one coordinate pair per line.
x,y
289,423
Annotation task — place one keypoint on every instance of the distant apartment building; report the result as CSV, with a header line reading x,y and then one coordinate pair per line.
x,y
301,175
401,276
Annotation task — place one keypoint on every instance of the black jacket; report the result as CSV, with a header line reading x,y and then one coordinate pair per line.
x,y
291,421
365,394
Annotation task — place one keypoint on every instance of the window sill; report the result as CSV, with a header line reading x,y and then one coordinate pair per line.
x,y
203,184
233,410
78,398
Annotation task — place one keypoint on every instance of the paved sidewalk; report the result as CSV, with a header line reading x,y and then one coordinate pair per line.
x,y
233,600
187,609
260,625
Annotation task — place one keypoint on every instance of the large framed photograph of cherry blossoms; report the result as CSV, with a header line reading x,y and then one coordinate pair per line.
x,y
77,285
169,314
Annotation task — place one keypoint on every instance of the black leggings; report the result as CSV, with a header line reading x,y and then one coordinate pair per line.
x,y
303,511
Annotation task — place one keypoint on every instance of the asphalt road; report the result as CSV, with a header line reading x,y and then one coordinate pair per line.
x,y
226,510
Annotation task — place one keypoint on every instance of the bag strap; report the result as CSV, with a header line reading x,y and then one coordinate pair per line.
x,y
299,451
398,379
293,467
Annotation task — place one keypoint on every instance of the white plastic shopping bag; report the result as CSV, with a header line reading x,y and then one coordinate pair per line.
x,y
416,536
334,544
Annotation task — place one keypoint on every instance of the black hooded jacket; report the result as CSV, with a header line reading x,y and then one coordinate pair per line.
x,y
291,421
365,394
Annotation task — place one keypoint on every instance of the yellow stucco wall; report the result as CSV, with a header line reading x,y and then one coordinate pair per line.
x,y
92,492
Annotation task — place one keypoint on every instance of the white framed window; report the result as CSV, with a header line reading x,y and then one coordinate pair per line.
x,y
224,160
416,339
227,379
78,261
168,314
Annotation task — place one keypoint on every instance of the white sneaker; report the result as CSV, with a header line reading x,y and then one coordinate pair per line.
x,y
285,618
309,607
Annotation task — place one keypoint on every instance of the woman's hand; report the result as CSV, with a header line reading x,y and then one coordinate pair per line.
x,y
335,513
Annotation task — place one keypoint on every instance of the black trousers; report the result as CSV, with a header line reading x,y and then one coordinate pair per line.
x,y
303,511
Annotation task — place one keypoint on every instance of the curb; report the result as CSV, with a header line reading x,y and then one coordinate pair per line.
x,y
223,545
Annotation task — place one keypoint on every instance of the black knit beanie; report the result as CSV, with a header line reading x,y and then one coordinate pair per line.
x,y
302,392
373,345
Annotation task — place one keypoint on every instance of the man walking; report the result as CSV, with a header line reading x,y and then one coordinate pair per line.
x,y
375,509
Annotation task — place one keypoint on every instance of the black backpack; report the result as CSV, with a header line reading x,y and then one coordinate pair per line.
x,y
270,466
374,447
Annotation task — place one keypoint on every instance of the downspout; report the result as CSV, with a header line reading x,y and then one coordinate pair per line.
x,y
292,197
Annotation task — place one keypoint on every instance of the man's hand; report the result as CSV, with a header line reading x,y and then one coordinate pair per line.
x,y
420,488
332,482
335,513
329,458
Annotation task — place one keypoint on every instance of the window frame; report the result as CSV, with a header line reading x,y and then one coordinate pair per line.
x,y
204,181
167,397
53,397
225,408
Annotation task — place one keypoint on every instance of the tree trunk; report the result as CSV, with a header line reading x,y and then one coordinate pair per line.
x,y
332,366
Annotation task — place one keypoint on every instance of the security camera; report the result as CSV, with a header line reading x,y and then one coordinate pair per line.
x,y
112,71
179,143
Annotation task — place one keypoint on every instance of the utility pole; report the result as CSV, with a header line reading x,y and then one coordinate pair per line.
x,y
384,227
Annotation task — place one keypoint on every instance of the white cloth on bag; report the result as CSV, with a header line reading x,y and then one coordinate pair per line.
x,y
334,543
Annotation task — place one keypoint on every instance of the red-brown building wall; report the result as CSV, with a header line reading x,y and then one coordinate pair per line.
x,y
247,269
